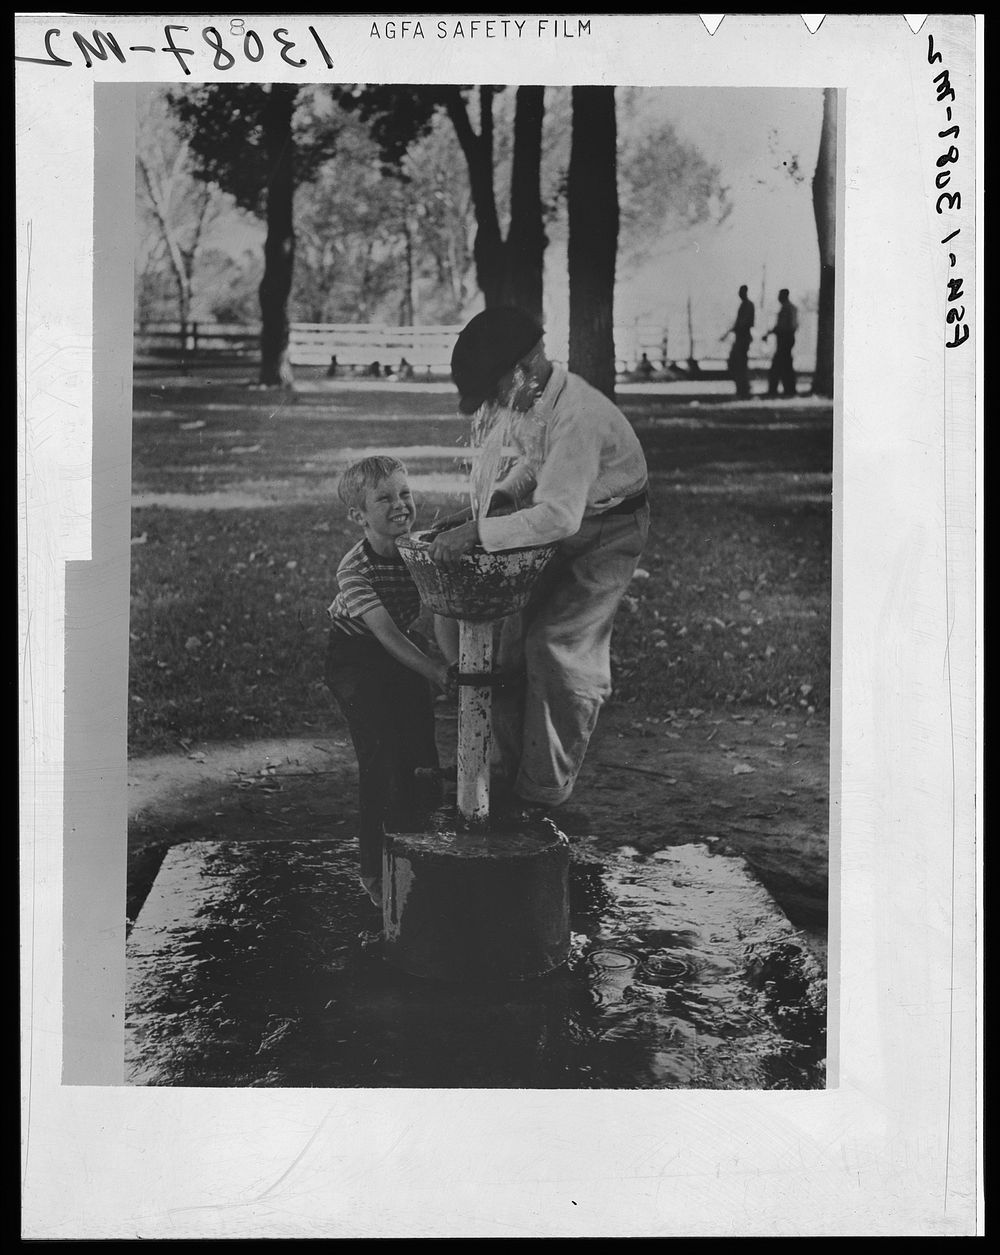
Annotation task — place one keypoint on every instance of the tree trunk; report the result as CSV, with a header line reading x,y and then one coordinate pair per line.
x,y
488,248
407,305
824,193
526,240
279,246
592,196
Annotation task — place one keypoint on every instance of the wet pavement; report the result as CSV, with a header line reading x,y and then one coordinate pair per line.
x,y
259,964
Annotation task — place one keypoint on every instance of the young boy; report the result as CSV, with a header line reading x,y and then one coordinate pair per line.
x,y
376,666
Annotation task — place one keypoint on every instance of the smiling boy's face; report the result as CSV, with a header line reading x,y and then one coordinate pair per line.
x,y
388,511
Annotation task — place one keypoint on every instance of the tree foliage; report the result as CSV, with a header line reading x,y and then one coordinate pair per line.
x,y
507,269
224,124
175,208
665,185
400,250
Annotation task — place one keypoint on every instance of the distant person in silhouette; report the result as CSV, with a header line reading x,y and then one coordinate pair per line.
x,y
333,368
374,370
644,367
782,372
404,370
740,331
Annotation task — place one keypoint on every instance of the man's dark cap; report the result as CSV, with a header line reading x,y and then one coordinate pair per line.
x,y
487,348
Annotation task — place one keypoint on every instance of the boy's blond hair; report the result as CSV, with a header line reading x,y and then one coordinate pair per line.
x,y
368,473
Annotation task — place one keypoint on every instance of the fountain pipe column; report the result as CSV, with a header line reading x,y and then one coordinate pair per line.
x,y
475,729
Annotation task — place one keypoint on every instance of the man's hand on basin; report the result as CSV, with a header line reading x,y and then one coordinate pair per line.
x,y
447,548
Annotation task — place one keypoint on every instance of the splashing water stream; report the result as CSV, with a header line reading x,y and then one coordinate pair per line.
x,y
492,429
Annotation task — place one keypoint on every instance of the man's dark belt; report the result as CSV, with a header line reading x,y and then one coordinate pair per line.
x,y
628,506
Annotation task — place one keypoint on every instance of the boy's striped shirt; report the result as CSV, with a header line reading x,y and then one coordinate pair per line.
x,y
367,581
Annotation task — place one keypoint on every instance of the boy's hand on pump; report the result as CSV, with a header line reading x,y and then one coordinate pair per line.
x,y
446,678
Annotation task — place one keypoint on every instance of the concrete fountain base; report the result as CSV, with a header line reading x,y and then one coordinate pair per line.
x,y
483,906
252,963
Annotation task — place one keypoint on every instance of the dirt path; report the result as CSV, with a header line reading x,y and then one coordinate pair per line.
x,y
753,783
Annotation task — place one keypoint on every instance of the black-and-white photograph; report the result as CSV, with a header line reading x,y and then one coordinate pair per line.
x,y
499,613
479,680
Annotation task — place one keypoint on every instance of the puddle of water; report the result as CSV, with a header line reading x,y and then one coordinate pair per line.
x,y
254,964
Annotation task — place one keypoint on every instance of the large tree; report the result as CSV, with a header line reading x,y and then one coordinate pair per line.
x,y
824,194
252,141
592,197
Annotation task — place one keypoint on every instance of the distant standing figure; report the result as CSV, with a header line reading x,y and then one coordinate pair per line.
x,y
645,367
374,370
740,331
331,370
404,370
785,326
